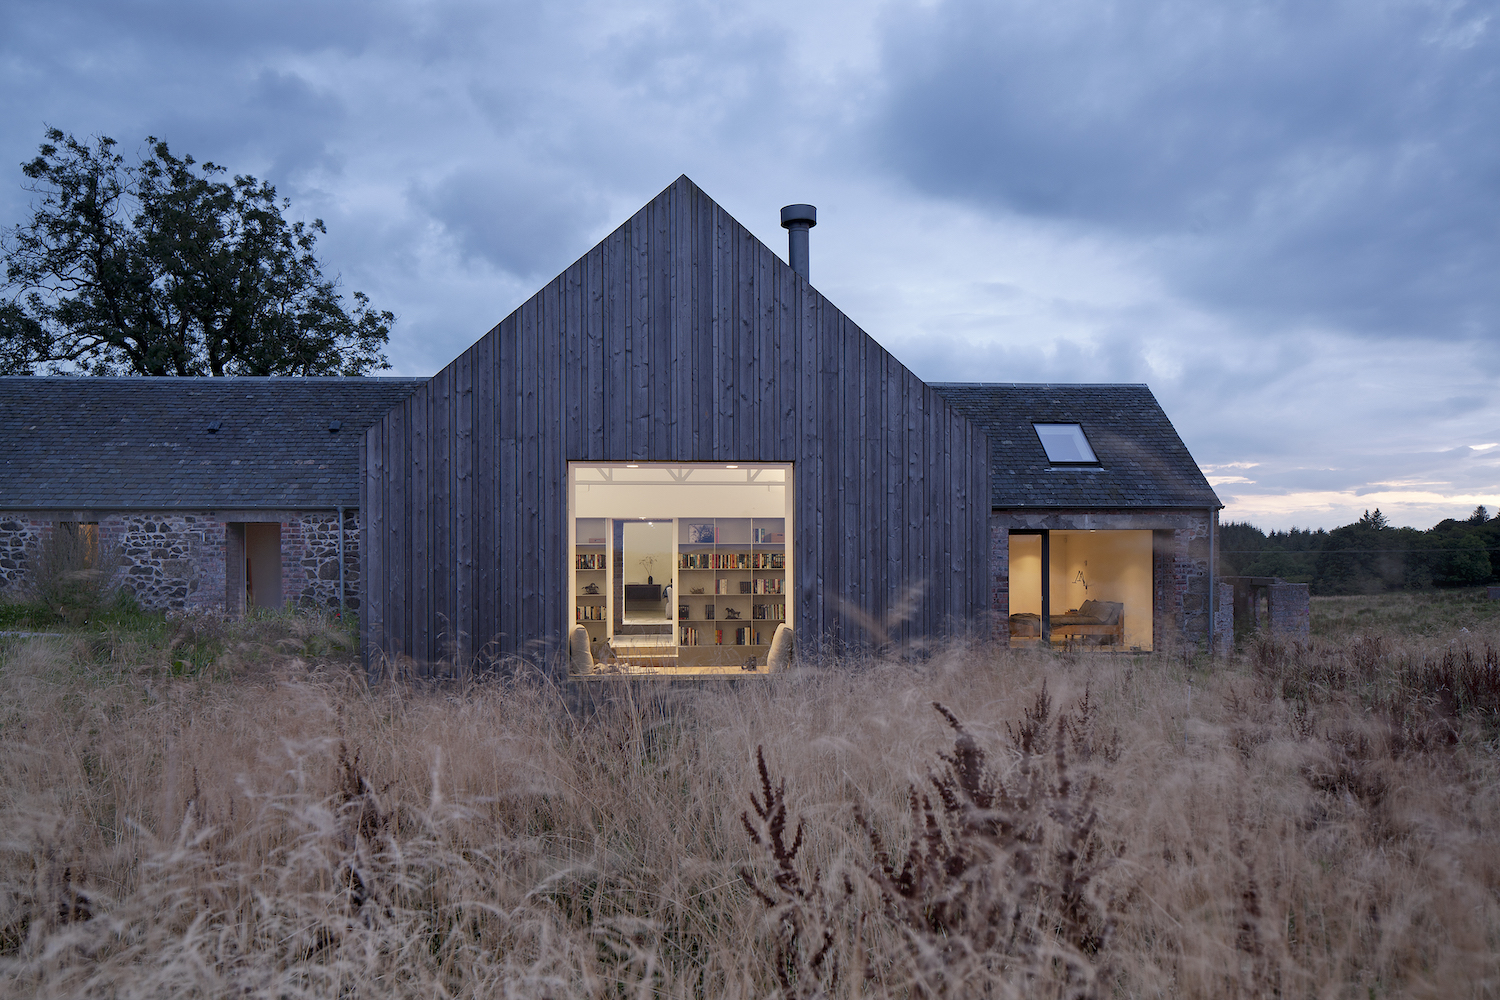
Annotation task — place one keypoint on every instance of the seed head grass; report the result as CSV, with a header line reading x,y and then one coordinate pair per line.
x,y
1313,820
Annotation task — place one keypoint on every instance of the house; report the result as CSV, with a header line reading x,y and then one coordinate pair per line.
x,y
678,445
1094,498
211,493
672,453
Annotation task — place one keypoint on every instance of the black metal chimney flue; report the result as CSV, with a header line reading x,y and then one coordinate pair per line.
x,y
797,220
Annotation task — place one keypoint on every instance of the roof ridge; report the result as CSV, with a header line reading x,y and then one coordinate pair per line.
x,y
1041,385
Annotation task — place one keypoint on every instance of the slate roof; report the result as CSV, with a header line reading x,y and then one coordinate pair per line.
x,y
142,443
1142,461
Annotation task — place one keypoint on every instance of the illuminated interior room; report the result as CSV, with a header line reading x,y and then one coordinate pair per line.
x,y
680,568
1085,589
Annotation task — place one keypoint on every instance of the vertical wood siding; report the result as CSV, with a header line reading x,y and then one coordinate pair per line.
x,y
680,337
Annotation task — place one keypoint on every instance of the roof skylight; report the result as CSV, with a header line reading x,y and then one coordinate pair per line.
x,y
1065,444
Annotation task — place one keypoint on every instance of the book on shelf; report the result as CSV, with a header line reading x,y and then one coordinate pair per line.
x,y
590,560
768,612
689,636
767,585
718,637
590,612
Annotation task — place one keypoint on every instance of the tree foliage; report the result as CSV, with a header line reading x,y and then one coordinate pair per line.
x,y
1368,556
167,267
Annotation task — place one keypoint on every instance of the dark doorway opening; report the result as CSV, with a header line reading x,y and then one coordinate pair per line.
x,y
252,557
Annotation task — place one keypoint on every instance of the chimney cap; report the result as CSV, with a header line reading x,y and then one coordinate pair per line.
x,y
792,214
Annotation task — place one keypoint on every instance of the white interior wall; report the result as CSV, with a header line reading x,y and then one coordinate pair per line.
x,y
648,552
664,500
1116,566
263,564
1025,574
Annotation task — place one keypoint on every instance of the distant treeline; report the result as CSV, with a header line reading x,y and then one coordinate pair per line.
x,y
1368,556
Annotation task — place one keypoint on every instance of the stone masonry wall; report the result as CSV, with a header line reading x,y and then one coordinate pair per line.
x,y
176,560
1291,610
999,580
310,560
167,560
20,538
1224,620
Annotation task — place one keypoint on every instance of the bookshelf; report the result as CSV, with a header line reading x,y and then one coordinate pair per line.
x,y
731,589
591,581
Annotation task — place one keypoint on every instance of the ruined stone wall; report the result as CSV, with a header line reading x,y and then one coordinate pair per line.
x,y
1290,605
1224,620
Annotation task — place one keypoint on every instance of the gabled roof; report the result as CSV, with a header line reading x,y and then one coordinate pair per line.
x,y
89,443
1142,461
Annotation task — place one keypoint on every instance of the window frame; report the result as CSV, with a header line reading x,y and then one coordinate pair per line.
x,y
1036,426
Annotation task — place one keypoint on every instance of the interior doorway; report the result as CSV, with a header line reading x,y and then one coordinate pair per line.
x,y
252,557
263,565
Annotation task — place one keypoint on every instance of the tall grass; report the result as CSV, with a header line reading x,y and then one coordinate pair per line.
x,y
1303,821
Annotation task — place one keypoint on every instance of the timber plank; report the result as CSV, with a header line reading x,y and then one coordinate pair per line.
x,y
594,356
421,575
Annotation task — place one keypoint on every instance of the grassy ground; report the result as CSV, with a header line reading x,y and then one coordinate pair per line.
x,y
1422,613
200,809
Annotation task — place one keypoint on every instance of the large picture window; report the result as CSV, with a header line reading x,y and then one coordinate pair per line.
x,y
1084,589
680,568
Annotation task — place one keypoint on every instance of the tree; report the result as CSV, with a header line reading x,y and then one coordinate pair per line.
x,y
167,268
1480,515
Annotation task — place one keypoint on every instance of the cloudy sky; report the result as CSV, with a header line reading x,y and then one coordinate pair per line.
x,y
1283,216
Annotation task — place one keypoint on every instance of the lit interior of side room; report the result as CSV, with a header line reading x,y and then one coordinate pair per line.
x,y
1098,585
680,568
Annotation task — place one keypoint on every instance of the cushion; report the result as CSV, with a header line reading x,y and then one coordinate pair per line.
x,y
1109,611
581,660
782,648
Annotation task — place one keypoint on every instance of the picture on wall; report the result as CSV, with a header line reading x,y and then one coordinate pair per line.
x,y
701,533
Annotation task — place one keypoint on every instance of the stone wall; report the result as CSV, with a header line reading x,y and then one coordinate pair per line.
x,y
1000,579
20,538
310,559
1290,605
177,560
166,560
1224,620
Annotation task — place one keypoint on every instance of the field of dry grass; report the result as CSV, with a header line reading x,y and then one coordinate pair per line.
x,y
228,810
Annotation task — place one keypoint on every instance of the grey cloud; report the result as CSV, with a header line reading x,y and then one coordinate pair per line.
x,y
526,223
1299,162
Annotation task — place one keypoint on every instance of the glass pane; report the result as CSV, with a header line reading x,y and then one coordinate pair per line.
x,y
1065,443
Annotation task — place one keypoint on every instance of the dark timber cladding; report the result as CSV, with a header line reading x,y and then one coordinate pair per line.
x,y
680,337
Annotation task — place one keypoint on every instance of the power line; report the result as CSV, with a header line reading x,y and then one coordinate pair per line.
x,y
1340,552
